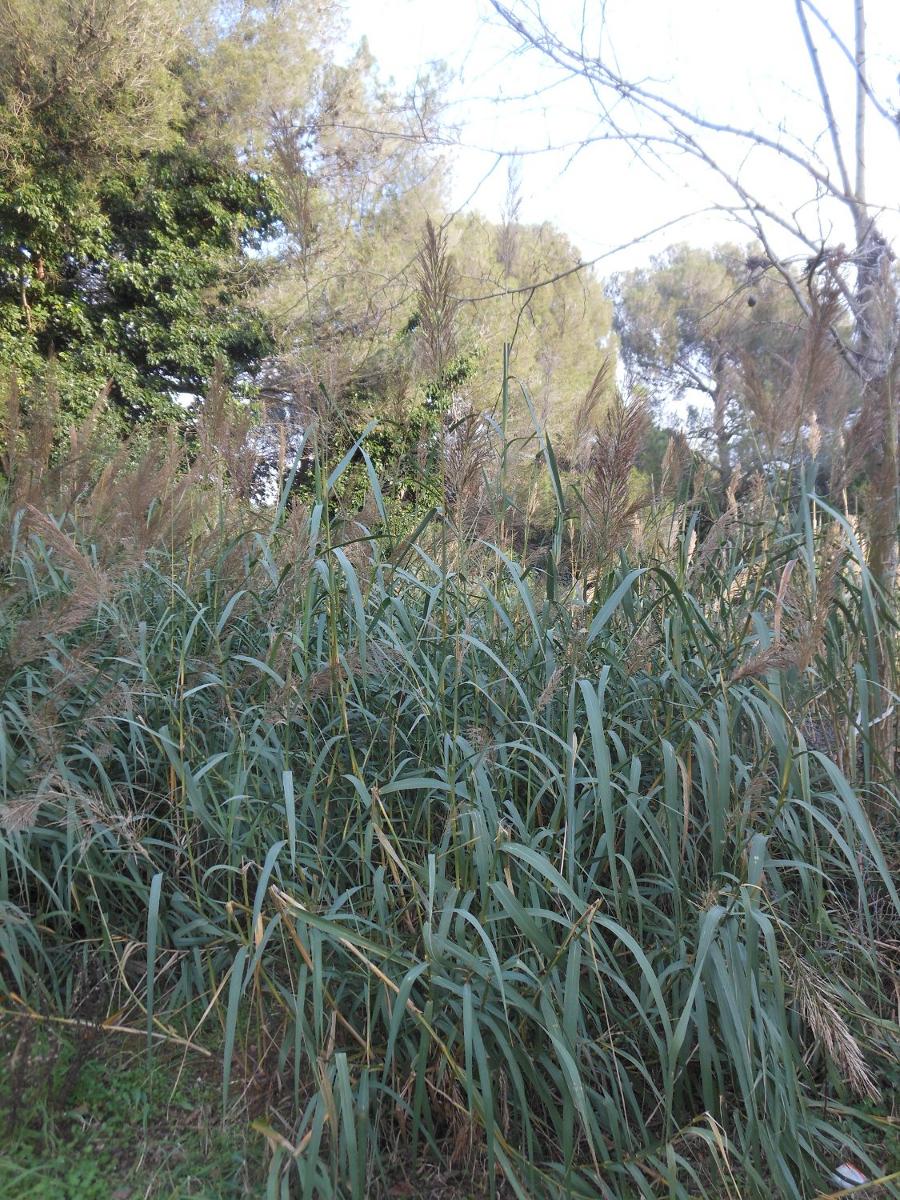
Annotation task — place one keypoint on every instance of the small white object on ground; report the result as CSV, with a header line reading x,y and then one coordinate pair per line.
x,y
849,1176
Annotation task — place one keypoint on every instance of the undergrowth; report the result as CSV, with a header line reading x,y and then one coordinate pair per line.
x,y
86,1117
571,880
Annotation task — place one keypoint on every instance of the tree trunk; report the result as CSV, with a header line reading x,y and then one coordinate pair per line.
x,y
883,482
876,346
720,428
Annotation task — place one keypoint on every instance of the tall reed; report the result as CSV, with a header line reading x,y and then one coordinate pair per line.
x,y
575,891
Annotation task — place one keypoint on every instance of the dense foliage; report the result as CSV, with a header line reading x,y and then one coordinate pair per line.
x,y
189,185
490,790
123,239
585,885
136,286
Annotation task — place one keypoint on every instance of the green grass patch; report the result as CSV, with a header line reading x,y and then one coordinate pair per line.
x,y
86,1118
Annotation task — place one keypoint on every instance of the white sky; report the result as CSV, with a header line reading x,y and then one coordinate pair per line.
x,y
733,60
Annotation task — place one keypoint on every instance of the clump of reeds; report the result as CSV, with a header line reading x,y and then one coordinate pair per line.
x,y
485,874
